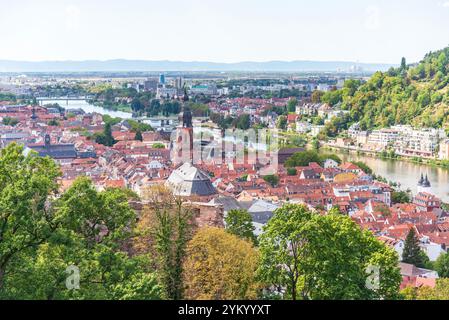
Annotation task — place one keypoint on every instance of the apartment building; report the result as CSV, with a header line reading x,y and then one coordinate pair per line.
x,y
419,142
383,137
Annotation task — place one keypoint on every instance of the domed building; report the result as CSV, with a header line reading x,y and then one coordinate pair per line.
x,y
189,181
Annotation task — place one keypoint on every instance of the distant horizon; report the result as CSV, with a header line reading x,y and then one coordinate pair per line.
x,y
222,32
138,65
202,61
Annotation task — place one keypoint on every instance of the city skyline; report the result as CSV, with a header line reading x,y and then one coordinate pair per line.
x,y
196,30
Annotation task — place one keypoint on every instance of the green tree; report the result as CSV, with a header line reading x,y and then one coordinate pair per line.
x,y
442,265
403,64
220,266
26,184
108,119
8,121
105,138
315,144
139,286
400,197
316,96
158,146
136,105
199,109
7,97
291,105
412,252
324,157
409,94
88,212
243,122
440,292
282,123
240,223
170,228
97,224
324,257
332,97
302,159
365,168
88,232
53,122
272,179
109,139
139,126
138,136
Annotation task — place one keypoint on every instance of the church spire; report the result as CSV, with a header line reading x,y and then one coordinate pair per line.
x,y
421,181
426,182
185,98
185,117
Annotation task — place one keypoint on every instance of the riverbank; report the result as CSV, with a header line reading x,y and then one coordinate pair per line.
x,y
407,173
444,164
114,107
91,108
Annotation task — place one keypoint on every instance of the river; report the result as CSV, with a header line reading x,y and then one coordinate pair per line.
x,y
90,108
405,173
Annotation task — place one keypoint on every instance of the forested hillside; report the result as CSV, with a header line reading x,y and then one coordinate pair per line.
x,y
411,94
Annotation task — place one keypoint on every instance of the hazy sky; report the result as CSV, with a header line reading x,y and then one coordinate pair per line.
x,y
223,30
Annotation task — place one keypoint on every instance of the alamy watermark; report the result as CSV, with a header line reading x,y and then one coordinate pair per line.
x,y
201,145
72,282
373,280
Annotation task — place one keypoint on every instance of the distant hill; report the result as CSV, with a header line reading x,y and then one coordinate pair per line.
x,y
416,94
143,65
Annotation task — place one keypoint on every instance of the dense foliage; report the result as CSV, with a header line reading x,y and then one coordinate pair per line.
x,y
167,223
220,266
440,292
313,256
8,121
240,223
105,137
442,265
411,94
400,197
363,166
7,97
47,236
304,158
141,103
45,241
272,179
412,253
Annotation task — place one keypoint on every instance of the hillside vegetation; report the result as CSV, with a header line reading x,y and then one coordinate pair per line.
x,y
411,94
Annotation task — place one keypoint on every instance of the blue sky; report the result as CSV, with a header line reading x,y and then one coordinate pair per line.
x,y
223,31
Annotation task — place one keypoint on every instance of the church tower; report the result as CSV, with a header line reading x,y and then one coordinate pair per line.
x,y
33,118
183,144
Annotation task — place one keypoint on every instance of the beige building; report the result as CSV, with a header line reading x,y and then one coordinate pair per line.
x,y
383,137
444,150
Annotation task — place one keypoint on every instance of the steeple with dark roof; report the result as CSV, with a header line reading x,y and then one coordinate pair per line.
x,y
47,141
426,183
33,114
421,181
186,96
185,117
